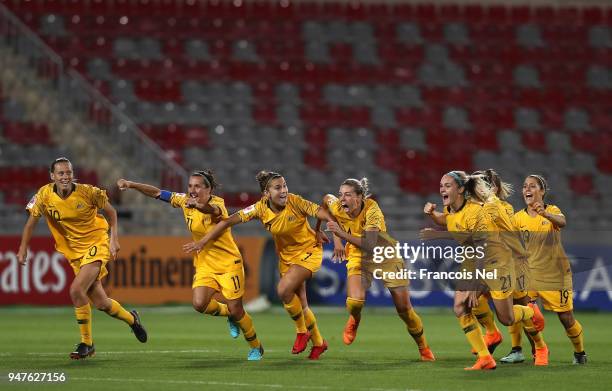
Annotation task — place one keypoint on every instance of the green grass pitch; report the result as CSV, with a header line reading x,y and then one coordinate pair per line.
x,y
190,351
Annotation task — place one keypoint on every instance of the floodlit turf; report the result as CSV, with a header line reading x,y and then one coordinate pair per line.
x,y
190,351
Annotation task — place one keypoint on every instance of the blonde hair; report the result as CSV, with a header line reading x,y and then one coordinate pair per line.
x,y
475,186
504,189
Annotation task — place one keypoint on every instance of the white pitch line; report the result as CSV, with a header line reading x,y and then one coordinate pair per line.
x,y
232,384
129,352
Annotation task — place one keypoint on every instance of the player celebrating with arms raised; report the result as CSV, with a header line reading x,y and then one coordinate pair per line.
x,y
81,235
220,267
285,216
551,275
475,216
361,224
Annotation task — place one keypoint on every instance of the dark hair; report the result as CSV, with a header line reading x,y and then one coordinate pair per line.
x,y
474,185
208,178
264,178
493,179
58,160
541,181
360,186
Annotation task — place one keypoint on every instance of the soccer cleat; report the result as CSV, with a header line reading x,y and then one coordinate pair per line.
x,y
350,330
427,354
580,358
137,328
483,363
83,350
492,340
515,356
541,356
301,342
317,351
234,330
538,318
255,354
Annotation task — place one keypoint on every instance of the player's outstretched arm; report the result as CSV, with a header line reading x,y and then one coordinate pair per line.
x,y
214,234
437,217
26,236
148,190
111,213
367,243
339,254
206,208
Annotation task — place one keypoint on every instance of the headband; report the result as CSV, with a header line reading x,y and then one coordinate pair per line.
x,y
456,177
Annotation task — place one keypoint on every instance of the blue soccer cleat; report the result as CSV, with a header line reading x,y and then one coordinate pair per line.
x,y
234,330
255,354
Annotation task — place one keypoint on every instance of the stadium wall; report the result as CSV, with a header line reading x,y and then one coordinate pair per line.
x,y
154,270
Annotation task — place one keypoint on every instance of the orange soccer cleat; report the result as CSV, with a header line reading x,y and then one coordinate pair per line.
x,y
301,342
492,340
538,318
427,354
350,330
482,364
317,351
541,356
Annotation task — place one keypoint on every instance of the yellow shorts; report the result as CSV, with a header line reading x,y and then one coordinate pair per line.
x,y
519,294
389,271
99,252
557,301
310,260
503,285
230,284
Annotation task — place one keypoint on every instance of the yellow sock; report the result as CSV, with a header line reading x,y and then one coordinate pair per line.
x,y
118,312
83,317
574,333
523,315
248,330
215,308
294,308
311,325
484,315
474,334
515,334
415,327
354,306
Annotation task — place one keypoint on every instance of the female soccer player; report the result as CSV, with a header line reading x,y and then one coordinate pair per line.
x,y
298,247
219,268
362,225
475,216
483,313
81,235
551,275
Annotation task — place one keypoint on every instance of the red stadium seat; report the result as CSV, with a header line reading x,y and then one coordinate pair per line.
x,y
489,61
535,141
582,184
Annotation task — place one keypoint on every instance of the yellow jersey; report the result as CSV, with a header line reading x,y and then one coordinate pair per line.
x,y
464,221
74,222
370,218
220,255
290,229
548,263
509,208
